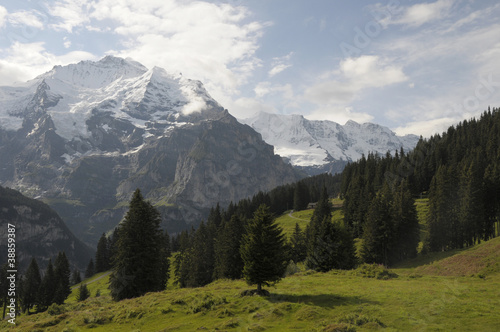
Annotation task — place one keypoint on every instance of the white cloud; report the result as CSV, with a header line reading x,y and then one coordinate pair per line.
x,y
3,16
280,64
70,14
427,128
266,88
339,115
354,75
413,16
24,61
245,107
26,18
202,40
278,69
419,14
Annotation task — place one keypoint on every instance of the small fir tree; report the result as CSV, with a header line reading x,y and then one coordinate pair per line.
x,y
262,250
83,293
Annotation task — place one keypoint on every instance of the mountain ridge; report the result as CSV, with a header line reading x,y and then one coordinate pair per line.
x,y
321,143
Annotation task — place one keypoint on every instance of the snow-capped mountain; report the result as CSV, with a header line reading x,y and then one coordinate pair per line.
x,y
121,88
313,143
83,137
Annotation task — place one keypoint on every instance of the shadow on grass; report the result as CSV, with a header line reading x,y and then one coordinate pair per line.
x,y
320,300
426,259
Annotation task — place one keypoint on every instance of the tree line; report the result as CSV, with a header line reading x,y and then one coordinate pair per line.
x,y
458,171
36,291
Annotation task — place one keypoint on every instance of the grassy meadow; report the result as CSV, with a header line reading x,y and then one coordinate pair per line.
x,y
459,290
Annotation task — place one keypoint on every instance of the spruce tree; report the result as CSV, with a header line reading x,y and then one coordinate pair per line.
x,y
140,255
47,288
228,262
378,232
62,274
102,255
83,293
202,257
31,285
300,196
298,244
262,250
406,226
76,277
90,271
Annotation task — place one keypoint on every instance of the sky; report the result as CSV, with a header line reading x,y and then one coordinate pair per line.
x,y
416,67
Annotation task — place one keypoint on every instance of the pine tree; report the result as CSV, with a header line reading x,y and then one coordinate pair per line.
x,y
62,275
102,255
90,271
31,285
76,277
202,258
83,293
47,288
228,262
378,232
406,226
140,256
298,251
300,196
262,250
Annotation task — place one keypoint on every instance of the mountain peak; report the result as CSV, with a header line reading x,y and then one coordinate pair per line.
x,y
76,95
317,143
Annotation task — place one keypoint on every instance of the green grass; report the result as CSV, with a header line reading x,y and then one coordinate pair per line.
x,y
306,301
303,217
287,222
458,290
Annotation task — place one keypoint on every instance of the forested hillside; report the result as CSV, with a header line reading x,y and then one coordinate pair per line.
x,y
459,172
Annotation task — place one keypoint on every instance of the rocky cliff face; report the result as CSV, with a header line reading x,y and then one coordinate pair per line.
x,y
39,232
83,137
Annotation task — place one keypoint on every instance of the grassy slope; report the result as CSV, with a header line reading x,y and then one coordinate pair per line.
x,y
422,298
303,302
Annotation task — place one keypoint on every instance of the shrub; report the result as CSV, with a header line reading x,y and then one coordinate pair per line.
x,y
375,271
55,309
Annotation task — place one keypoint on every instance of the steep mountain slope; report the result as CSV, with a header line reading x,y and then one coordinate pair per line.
x,y
83,137
321,146
39,232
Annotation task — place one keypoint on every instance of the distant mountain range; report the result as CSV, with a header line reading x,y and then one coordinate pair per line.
x,y
83,137
319,146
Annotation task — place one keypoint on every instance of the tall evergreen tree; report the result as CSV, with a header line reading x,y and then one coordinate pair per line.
x,y
262,250
47,288
228,262
300,196
102,261
378,232
31,285
329,245
137,268
62,274
76,277
202,257
406,227
90,271
298,245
